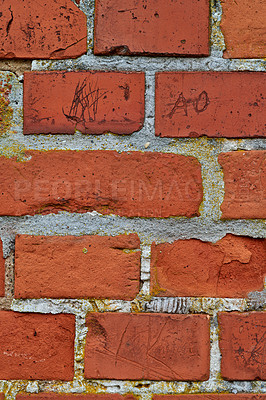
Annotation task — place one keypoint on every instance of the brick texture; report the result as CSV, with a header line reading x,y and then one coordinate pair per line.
x,y
36,346
214,104
2,271
92,102
53,396
139,27
244,180
76,267
147,346
130,184
243,27
51,29
242,344
231,267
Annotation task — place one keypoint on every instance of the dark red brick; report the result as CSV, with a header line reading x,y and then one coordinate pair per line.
x,y
92,102
36,346
231,267
127,184
243,27
77,267
245,184
214,104
154,27
147,346
51,29
242,344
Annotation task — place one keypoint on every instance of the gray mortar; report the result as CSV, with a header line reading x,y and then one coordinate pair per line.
x,y
207,227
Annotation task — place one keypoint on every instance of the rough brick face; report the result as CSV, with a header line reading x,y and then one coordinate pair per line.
x,y
47,29
244,180
214,104
2,271
76,267
92,102
231,267
53,396
243,27
147,346
131,184
154,27
242,344
36,346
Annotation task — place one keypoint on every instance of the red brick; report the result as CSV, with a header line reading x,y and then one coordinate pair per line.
x,y
54,396
51,29
92,102
214,104
147,346
36,346
245,184
127,184
154,27
231,267
242,344
208,396
2,396
77,267
2,271
243,27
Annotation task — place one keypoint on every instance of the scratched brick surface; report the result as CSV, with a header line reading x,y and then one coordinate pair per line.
x,y
92,102
86,266
36,346
214,104
48,29
128,184
243,27
140,27
2,271
231,267
245,183
242,344
147,346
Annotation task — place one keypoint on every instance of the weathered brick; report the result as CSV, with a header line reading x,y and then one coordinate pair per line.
x,y
92,102
77,267
147,346
243,27
244,180
214,104
208,396
242,344
36,346
51,29
163,28
54,396
2,396
2,271
231,267
128,184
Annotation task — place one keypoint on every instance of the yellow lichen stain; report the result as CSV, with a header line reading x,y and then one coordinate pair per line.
x,y
6,112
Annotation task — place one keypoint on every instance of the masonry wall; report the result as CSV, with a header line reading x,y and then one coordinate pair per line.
x,y
132,212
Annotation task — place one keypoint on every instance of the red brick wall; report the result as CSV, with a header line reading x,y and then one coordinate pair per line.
x,y
133,179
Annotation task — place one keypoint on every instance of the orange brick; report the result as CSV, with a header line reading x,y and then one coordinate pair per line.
x,y
147,346
127,184
243,27
154,27
92,102
50,29
242,344
231,267
214,104
244,180
36,346
77,267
